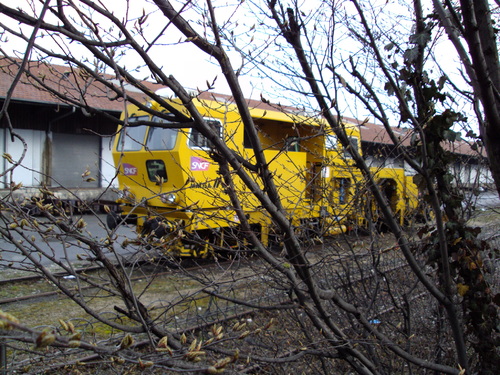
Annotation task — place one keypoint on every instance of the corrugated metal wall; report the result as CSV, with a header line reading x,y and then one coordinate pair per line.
x,y
72,156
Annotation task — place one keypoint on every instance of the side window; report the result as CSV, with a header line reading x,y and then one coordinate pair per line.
x,y
132,137
353,145
198,140
343,187
292,144
331,141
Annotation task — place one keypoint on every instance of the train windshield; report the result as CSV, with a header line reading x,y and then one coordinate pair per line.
x,y
132,137
161,138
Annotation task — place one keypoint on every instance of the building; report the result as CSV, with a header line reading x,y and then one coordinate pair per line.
x,y
66,149
470,166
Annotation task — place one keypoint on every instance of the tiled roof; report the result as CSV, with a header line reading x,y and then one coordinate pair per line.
x,y
376,133
72,82
75,83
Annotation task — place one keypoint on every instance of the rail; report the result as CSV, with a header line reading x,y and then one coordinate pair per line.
x,y
207,308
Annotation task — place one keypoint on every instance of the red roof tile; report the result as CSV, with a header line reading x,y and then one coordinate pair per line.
x,y
72,82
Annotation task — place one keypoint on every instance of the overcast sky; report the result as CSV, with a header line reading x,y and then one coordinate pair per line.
x,y
190,66
184,61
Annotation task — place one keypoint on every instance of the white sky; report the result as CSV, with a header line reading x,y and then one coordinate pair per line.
x,y
184,61
190,66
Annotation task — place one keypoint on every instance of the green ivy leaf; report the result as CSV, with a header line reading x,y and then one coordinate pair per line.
x,y
411,55
389,88
450,135
441,81
389,46
421,39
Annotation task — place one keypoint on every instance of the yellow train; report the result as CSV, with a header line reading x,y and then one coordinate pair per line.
x,y
172,190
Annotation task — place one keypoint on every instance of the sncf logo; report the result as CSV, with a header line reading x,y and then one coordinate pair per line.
x,y
199,164
129,170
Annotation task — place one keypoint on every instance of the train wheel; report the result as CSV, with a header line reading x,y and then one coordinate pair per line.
x,y
157,227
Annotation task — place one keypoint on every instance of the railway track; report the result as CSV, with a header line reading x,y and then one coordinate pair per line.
x,y
34,278
142,269
47,290
197,321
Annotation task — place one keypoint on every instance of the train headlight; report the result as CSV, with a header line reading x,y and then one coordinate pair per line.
x,y
126,195
169,198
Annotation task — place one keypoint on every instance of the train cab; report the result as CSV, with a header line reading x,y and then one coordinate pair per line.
x,y
168,182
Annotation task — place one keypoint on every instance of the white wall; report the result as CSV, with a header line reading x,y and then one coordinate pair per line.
x,y
472,175
29,172
107,167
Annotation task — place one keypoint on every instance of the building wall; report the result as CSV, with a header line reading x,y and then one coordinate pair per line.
x,y
29,172
71,156
61,143
469,171
385,162
470,175
107,168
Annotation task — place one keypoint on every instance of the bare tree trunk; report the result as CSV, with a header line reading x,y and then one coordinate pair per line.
x,y
482,66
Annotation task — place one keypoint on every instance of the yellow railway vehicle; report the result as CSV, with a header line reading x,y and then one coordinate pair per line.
x,y
171,187
348,194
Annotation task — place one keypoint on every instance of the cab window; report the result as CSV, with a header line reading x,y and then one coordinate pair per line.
x,y
161,138
292,144
132,137
353,145
331,141
198,140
